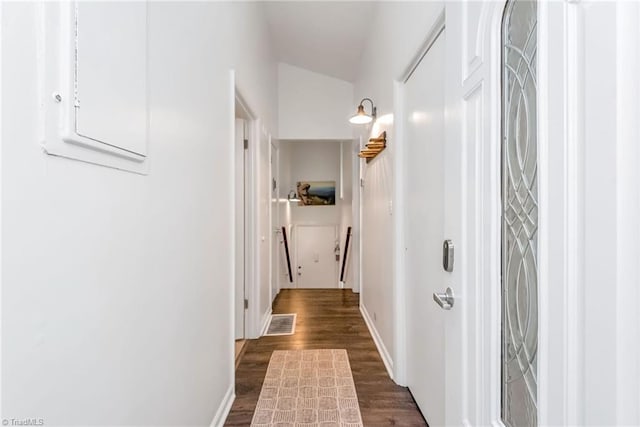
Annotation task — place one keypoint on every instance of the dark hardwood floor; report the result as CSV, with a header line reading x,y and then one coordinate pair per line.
x,y
326,318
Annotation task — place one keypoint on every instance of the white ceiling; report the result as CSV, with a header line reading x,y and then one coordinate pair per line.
x,y
322,36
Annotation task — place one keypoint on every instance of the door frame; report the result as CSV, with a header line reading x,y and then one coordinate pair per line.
x,y
240,203
592,282
358,214
274,215
251,214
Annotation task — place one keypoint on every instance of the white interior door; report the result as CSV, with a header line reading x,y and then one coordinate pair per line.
x,y
425,200
316,265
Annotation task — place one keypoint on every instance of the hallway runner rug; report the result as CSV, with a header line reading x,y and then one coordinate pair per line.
x,y
308,388
281,324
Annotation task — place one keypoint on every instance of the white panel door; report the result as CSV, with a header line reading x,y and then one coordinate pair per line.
x,y
316,265
425,174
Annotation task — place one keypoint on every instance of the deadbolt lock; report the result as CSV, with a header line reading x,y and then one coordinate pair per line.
x,y
447,255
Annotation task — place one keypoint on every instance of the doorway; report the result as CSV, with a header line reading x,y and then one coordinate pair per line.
x,y
242,232
316,261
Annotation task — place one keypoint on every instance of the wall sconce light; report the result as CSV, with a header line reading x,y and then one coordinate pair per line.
x,y
361,117
293,196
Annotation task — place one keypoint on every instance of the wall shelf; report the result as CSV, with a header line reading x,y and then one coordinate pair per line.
x,y
374,147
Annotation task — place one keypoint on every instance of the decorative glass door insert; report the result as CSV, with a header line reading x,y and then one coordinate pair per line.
x,y
519,214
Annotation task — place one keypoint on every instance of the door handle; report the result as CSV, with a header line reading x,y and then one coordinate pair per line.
x,y
444,300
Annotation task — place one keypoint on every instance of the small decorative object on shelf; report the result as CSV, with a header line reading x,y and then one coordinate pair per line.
x,y
374,147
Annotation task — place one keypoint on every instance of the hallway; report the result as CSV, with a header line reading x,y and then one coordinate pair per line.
x,y
326,319
463,175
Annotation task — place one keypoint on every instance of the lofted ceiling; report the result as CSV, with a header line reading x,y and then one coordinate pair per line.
x,y
326,37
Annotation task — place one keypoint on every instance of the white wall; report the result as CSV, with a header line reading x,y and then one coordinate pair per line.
x,y
116,287
386,56
312,105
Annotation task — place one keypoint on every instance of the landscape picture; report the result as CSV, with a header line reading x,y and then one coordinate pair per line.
x,y
316,193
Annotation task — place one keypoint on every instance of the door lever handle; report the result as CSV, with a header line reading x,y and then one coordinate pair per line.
x,y
444,300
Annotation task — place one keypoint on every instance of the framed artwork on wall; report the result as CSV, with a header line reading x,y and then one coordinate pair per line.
x,y
316,193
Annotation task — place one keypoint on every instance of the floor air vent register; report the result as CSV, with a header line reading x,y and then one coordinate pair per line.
x,y
282,324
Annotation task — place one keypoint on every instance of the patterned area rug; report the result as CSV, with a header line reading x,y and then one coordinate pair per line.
x,y
308,388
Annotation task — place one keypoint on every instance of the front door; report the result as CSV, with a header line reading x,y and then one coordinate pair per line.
x,y
316,265
425,183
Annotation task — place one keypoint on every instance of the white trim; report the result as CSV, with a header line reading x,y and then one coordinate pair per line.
x,y
436,29
488,323
628,208
225,407
1,191
233,214
360,163
254,323
399,243
341,170
573,219
58,43
240,100
266,319
252,247
270,218
382,350
560,347
354,258
258,141
276,258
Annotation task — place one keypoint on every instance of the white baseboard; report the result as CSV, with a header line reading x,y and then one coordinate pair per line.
x,y
225,407
265,322
384,354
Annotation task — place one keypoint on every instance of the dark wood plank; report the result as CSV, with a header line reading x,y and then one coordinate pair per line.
x,y
327,318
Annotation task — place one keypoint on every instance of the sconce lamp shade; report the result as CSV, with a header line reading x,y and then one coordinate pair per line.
x,y
361,117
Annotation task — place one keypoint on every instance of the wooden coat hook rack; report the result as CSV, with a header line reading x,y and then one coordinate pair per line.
x,y
374,147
